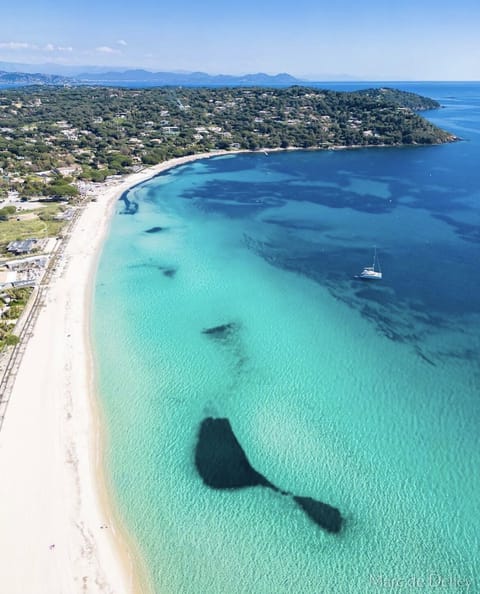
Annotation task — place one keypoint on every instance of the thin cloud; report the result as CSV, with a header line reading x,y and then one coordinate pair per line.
x,y
22,45
105,49
122,42
51,47
15,45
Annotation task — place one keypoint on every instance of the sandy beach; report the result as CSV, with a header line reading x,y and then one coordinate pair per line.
x,y
58,529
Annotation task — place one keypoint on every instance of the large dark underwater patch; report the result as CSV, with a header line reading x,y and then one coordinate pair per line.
x,y
222,464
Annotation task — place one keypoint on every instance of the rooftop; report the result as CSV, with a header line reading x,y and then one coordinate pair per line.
x,y
23,246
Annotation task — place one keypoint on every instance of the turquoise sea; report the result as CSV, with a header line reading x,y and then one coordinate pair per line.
x,y
363,396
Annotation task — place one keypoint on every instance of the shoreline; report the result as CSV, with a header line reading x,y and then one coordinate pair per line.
x,y
61,528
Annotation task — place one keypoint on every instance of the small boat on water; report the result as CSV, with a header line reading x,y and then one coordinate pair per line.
x,y
369,272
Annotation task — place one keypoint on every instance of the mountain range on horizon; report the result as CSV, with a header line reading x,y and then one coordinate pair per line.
x,y
139,76
95,74
187,78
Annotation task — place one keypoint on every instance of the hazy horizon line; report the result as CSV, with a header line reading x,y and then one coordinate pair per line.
x,y
323,77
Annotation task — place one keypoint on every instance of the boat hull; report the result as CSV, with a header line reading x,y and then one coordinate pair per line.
x,y
374,277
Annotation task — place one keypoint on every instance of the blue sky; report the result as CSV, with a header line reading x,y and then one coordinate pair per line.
x,y
366,39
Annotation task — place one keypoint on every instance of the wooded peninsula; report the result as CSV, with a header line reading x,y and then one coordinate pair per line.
x,y
53,137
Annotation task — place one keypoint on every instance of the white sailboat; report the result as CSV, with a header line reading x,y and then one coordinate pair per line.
x,y
369,272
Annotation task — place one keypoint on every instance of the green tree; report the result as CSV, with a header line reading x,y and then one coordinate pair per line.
x,y
6,212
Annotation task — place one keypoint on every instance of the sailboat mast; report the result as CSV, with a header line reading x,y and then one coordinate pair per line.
x,y
378,261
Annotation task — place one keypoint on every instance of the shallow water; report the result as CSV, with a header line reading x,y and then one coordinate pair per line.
x,y
364,396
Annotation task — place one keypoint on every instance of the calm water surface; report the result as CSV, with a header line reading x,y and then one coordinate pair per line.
x,y
364,396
